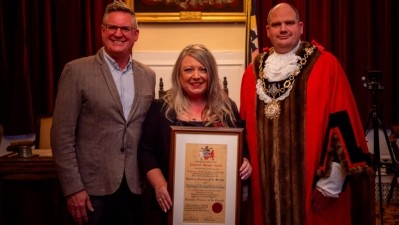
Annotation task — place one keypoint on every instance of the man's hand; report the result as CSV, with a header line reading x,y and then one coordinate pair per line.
x,y
320,201
77,204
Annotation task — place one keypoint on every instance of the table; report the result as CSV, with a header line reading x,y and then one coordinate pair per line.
x,y
30,192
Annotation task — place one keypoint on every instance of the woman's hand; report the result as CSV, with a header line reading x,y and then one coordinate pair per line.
x,y
163,198
158,182
245,169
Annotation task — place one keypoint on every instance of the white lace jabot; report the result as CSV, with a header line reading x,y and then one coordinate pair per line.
x,y
278,67
281,66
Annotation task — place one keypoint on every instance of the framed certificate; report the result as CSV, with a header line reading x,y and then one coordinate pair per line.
x,y
204,179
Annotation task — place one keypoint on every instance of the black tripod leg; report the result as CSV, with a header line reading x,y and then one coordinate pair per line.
x,y
392,188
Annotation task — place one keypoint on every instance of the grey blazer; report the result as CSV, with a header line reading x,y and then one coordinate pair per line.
x,y
92,143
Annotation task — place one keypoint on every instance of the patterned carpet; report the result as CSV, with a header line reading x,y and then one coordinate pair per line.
x,y
390,215
391,211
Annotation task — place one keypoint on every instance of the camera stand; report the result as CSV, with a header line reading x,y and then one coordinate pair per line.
x,y
375,123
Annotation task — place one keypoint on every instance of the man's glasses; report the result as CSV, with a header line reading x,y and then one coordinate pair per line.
x,y
113,28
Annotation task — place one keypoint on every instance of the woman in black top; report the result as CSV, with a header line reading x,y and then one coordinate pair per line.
x,y
196,99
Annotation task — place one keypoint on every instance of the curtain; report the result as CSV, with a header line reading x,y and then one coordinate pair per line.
x,y
360,34
37,37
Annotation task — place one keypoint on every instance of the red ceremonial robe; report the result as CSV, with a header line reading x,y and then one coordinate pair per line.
x,y
327,93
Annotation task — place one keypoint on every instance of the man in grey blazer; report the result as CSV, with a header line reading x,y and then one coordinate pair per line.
x,y
101,104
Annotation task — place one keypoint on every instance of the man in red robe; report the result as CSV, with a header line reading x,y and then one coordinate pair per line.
x,y
308,151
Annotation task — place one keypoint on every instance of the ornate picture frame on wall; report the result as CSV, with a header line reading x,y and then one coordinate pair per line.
x,y
191,11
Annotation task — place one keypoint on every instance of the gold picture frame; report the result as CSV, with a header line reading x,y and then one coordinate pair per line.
x,y
155,11
204,180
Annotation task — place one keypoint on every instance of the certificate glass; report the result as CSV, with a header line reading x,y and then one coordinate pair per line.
x,y
204,179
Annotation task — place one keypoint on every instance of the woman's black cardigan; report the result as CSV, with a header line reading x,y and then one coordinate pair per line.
x,y
154,146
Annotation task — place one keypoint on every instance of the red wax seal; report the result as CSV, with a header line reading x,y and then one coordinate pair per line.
x,y
217,207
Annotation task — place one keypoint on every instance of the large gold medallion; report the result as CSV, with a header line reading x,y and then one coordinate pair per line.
x,y
272,110
278,91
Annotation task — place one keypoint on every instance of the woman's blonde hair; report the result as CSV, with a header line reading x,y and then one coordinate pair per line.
x,y
219,108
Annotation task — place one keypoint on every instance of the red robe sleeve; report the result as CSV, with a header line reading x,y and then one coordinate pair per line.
x,y
328,93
